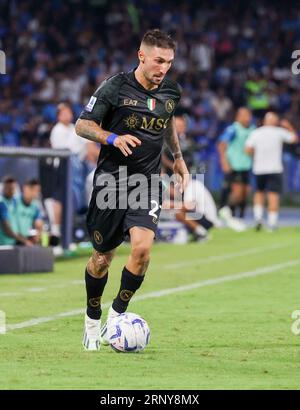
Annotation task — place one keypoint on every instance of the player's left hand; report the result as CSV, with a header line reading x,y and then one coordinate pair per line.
x,y
182,174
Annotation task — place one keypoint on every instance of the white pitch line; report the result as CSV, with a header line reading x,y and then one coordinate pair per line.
x,y
164,292
44,288
183,264
226,256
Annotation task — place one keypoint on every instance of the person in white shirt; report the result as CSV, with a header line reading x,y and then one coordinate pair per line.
x,y
63,135
84,154
266,144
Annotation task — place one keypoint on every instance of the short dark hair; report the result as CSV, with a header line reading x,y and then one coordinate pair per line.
x,y
32,182
158,38
8,179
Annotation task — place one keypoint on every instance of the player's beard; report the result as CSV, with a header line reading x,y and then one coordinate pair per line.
x,y
154,79
158,77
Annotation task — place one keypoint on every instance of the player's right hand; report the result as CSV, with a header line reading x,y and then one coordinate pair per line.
x,y
124,141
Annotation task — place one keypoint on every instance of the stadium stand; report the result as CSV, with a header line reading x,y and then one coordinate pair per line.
x,y
220,66
230,53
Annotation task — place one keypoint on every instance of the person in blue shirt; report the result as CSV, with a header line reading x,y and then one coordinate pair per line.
x,y
29,218
19,215
235,162
8,214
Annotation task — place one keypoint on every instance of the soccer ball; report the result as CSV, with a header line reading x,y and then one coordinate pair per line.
x,y
128,333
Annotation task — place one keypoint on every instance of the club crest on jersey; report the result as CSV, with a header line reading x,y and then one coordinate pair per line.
x,y
151,103
169,106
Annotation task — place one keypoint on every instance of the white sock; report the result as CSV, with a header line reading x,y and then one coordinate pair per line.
x,y
272,219
258,211
200,230
112,313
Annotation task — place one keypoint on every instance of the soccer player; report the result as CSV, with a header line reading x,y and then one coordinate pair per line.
x,y
130,114
265,144
235,162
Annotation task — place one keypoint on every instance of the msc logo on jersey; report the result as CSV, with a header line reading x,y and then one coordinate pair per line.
x,y
145,123
154,123
169,106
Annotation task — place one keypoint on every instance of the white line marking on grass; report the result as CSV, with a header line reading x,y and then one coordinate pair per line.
x,y
165,292
43,289
226,256
183,264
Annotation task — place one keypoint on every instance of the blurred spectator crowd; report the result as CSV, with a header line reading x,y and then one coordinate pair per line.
x,y
230,53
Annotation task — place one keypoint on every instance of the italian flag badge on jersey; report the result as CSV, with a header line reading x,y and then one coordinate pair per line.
x,y
151,103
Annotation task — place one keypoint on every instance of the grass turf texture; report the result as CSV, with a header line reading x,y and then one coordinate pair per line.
x,y
231,335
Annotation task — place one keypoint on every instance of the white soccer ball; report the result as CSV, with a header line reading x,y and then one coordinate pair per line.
x,y
128,333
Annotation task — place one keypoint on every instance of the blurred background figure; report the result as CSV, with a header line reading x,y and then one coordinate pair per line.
x,y
199,203
28,213
20,216
83,160
266,144
236,164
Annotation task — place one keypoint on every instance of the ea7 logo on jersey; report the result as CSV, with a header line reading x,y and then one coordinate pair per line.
x,y
90,105
129,101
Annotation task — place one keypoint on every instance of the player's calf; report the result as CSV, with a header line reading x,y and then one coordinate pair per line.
x,y
96,275
139,259
99,263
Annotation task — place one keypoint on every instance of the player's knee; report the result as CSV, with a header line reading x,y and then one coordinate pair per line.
x,y
99,263
141,253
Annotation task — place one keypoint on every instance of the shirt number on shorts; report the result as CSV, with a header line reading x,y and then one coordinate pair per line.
x,y
154,208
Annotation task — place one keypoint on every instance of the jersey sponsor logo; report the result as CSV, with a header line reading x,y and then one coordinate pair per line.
x,y
98,237
169,106
90,105
151,103
144,123
154,123
126,295
129,101
132,121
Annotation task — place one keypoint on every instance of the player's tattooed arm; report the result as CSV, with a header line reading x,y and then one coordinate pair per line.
x,y
180,169
92,131
172,141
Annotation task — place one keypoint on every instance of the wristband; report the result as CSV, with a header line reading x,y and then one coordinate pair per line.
x,y
111,139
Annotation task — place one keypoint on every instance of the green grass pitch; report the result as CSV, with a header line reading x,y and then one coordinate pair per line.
x,y
230,333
